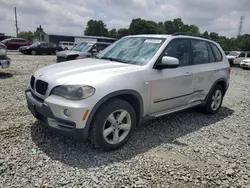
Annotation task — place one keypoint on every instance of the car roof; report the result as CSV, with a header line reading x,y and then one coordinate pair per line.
x,y
151,35
180,34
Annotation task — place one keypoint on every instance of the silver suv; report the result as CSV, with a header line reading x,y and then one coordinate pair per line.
x,y
104,98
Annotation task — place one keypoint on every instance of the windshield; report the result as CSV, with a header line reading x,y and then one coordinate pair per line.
x,y
84,46
34,44
132,50
233,53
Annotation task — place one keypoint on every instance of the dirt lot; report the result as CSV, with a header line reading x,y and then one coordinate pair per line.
x,y
186,149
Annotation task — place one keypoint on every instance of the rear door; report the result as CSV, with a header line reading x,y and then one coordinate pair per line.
x,y
207,62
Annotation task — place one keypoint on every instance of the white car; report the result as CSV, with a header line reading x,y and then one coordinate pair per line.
x,y
66,45
106,97
245,64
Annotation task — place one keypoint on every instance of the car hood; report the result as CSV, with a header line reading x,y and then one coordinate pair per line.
x,y
71,52
87,70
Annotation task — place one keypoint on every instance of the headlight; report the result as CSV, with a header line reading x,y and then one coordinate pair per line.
x,y
73,92
3,51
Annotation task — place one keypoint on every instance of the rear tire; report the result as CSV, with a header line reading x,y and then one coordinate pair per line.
x,y
108,131
214,101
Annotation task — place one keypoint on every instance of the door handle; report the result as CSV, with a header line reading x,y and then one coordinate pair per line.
x,y
188,73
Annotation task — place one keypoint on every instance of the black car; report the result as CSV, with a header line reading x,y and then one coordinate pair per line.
x,y
82,50
40,48
4,60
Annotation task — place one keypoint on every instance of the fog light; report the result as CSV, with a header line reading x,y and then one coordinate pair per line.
x,y
67,112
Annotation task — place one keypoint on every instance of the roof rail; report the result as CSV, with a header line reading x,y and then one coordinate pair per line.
x,y
191,34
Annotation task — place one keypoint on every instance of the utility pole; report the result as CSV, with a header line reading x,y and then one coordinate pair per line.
x,y
240,25
40,32
16,23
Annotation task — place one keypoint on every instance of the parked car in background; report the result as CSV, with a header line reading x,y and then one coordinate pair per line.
x,y
82,50
245,64
15,43
241,57
4,60
66,45
231,56
106,97
39,48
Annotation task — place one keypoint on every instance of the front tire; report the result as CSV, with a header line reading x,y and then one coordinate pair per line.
x,y
113,125
214,100
33,52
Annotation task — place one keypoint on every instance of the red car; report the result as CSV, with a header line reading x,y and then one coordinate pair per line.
x,y
15,43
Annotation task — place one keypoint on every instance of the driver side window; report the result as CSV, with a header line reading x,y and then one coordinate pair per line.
x,y
180,49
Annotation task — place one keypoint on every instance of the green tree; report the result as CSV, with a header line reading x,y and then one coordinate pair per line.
x,y
140,26
96,28
113,33
123,32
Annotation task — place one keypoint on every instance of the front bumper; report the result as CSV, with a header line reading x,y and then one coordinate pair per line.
x,y
43,111
4,62
60,59
245,65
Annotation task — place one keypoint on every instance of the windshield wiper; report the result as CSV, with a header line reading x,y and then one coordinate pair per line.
x,y
114,59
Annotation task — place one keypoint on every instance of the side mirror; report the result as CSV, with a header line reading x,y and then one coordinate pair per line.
x,y
168,62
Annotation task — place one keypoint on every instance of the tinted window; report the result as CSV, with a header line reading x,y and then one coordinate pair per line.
x,y
248,55
217,54
51,45
210,54
199,52
242,55
101,47
179,48
44,44
20,40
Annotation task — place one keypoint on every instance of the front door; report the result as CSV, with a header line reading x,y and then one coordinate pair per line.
x,y
171,88
241,57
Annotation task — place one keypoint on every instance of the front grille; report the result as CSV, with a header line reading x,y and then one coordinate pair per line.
x,y
32,81
37,98
41,87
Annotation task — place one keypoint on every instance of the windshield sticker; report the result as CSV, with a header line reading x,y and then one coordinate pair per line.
x,y
153,41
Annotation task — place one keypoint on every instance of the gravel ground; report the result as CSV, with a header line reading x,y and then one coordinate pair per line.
x,y
186,149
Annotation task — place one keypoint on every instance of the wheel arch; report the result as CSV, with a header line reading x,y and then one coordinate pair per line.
x,y
131,96
222,82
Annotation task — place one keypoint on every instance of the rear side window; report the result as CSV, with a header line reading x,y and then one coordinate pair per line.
x,y
242,55
199,52
248,55
217,54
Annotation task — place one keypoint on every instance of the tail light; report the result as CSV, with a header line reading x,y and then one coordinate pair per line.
x,y
229,70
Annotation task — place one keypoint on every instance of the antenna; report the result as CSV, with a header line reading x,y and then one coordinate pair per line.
x,y
241,25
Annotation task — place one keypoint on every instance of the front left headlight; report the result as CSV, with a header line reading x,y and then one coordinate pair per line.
x,y
3,51
73,92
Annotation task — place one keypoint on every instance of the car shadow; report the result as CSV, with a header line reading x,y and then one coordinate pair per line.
x,y
5,75
153,133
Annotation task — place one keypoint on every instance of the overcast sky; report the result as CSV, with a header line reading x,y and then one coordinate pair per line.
x,y
71,16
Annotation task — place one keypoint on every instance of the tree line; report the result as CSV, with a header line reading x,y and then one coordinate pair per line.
x,y
141,26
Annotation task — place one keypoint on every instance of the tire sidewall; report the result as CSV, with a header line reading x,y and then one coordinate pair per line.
x,y
100,119
33,51
210,100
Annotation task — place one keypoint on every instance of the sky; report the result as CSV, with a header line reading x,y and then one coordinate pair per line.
x,y
70,16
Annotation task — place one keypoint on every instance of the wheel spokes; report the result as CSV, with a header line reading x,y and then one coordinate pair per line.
x,y
112,119
125,127
122,115
108,131
116,136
